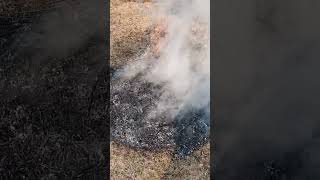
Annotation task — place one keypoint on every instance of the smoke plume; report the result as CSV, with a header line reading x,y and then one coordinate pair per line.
x,y
184,63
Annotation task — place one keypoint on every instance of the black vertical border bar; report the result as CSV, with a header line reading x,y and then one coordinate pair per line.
x,y
106,17
212,107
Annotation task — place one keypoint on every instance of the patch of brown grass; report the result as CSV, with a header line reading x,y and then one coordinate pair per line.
x,y
119,2
130,28
127,163
195,166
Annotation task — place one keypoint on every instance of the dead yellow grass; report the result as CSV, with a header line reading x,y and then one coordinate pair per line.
x,y
118,2
195,166
130,29
127,163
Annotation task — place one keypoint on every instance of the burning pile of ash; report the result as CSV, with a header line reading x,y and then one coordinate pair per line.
x,y
131,102
134,99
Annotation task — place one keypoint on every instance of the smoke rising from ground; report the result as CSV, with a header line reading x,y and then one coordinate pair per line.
x,y
183,66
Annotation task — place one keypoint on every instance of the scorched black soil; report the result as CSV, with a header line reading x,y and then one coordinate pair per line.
x,y
132,99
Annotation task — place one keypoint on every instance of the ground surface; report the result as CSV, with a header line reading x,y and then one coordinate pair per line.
x,y
126,162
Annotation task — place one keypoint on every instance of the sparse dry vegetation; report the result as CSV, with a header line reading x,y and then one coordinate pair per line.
x,y
130,31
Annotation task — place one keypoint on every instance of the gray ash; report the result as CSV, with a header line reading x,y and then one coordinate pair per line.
x,y
192,129
132,100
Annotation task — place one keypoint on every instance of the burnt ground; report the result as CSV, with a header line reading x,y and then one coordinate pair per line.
x,y
53,110
132,99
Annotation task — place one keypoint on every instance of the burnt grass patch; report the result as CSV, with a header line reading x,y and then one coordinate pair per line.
x,y
132,99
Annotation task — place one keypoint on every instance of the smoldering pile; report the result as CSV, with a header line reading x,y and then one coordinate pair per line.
x,y
134,99
131,100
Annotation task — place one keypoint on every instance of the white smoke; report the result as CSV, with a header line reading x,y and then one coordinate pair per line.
x,y
184,62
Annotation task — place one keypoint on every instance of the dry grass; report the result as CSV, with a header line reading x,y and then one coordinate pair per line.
x,y
130,29
195,167
127,163
119,2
